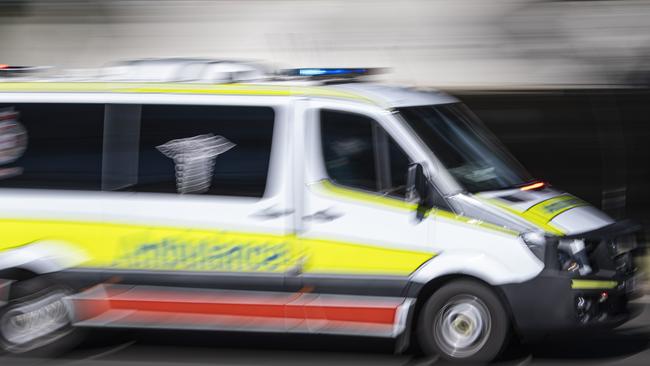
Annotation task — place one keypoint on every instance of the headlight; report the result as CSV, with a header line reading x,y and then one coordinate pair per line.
x,y
536,242
571,253
573,256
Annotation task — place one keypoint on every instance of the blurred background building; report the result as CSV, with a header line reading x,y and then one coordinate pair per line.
x,y
426,42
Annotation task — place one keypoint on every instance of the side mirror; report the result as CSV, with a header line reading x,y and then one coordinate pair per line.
x,y
418,189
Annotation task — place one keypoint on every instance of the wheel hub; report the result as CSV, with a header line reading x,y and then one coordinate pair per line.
x,y
462,326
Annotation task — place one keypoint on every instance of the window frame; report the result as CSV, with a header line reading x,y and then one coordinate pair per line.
x,y
73,105
279,175
137,152
395,127
315,160
381,139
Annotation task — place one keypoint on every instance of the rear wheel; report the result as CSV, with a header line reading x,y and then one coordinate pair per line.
x,y
463,321
36,320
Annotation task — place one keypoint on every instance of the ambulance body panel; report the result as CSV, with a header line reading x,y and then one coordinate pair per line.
x,y
314,245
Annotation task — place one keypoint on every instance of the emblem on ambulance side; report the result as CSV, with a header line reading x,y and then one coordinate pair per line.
x,y
13,137
194,159
13,142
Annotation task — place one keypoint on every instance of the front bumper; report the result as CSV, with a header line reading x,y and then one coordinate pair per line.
x,y
553,302
558,301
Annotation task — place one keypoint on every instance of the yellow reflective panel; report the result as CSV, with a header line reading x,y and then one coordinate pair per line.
x,y
472,222
162,248
550,208
158,248
543,212
325,92
528,215
181,88
329,257
327,187
218,89
592,284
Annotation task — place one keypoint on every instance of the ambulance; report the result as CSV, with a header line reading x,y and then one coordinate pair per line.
x,y
311,201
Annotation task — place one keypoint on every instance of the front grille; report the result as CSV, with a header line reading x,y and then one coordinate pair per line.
x,y
608,252
615,255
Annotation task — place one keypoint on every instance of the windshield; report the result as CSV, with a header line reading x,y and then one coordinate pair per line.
x,y
465,147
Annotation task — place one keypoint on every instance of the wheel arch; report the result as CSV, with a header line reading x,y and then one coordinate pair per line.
x,y
10,275
478,266
19,273
41,257
422,292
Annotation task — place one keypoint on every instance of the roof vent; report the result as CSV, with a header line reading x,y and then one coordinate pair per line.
x,y
183,70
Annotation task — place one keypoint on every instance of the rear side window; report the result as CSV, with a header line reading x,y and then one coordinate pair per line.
x,y
51,146
359,154
215,150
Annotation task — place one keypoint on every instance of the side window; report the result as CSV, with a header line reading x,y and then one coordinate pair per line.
x,y
51,146
215,150
359,154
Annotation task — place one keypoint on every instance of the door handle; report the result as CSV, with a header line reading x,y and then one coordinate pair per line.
x,y
325,215
271,213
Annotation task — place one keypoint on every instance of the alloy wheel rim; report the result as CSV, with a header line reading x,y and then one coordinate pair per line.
x,y
462,327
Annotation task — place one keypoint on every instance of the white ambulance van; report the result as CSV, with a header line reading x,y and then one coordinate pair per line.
x,y
312,204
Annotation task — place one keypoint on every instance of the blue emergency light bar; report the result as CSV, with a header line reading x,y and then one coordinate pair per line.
x,y
329,72
320,72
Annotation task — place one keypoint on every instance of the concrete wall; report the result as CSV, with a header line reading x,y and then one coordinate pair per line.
x,y
426,42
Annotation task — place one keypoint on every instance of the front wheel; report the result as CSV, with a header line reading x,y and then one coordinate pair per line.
x,y
463,321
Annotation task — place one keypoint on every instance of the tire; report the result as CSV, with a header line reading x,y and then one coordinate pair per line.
x,y
464,321
35,321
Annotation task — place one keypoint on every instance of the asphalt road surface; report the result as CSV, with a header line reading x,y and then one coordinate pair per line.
x,y
627,345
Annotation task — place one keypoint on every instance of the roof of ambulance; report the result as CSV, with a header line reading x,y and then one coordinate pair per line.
x,y
396,96
385,96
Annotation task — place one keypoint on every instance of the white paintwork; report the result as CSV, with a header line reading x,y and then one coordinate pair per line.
x,y
581,219
396,96
471,206
41,257
144,98
401,321
358,222
575,220
490,256
467,248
